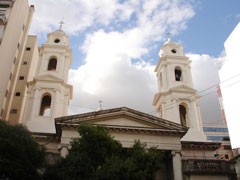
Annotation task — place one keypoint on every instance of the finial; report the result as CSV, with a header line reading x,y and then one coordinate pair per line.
x,y
61,24
100,105
169,36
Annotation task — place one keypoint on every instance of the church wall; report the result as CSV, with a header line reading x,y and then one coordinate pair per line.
x,y
161,142
122,122
128,139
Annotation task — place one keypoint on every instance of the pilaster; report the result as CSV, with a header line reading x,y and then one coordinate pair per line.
x,y
177,165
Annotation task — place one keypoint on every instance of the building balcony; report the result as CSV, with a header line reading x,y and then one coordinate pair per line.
x,y
207,167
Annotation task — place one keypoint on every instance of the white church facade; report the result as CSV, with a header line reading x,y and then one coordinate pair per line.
x,y
177,128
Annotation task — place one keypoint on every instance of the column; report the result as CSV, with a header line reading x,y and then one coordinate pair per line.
x,y
55,104
164,78
36,101
177,165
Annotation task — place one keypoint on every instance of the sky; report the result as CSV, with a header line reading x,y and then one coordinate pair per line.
x,y
115,46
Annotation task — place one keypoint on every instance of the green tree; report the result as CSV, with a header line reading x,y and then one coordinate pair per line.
x,y
20,155
96,155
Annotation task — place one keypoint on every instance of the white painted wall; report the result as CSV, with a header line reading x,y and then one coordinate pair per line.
x,y
231,87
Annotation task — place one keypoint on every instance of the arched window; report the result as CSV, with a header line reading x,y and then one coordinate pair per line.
x,y
183,115
178,74
45,105
52,64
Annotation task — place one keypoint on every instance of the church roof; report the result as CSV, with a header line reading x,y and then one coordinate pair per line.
x,y
171,43
59,31
154,124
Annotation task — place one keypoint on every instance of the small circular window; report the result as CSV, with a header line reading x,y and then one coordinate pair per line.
x,y
57,40
174,51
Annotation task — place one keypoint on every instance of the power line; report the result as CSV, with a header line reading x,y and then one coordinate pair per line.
x,y
169,105
203,90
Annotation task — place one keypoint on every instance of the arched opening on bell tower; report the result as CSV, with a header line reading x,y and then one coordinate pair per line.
x,y
45,105
178,74
183,114
52,64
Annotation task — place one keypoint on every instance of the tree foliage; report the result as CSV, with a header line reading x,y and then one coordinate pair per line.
x,y
20,154
97,156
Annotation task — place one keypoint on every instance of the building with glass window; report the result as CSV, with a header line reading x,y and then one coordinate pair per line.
x,y
219,133
15,20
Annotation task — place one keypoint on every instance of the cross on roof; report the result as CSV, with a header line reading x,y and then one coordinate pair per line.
x,y
169,36
61,24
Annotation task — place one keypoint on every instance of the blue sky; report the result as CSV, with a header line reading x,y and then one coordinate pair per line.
x,y
115,46
213,22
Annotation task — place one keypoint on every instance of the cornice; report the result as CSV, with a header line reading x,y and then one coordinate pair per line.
x,y
128,129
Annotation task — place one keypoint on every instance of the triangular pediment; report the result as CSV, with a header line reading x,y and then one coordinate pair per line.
x,y
183,88
48,77
124,118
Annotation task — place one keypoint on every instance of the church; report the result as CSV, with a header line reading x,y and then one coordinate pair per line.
x,y
39,99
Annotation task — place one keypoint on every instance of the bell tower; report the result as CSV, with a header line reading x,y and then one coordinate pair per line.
x,y
48,94
176,100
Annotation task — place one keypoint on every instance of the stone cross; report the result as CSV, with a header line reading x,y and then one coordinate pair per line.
x,y
61,24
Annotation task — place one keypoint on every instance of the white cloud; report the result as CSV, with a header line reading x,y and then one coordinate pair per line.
x,y
110,76
153,17
205,78
109,73
77,14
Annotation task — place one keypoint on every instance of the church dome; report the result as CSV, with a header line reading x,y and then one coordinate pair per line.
x,y
59,31
171,43
171,48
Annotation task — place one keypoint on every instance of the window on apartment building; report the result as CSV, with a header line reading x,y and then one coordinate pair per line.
x,y
17,94
45,105
215,129
25,62
21,78
23,27
227,147
218,138
13,111
10,77
14,61
28,49
18,46
4,5
52,64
